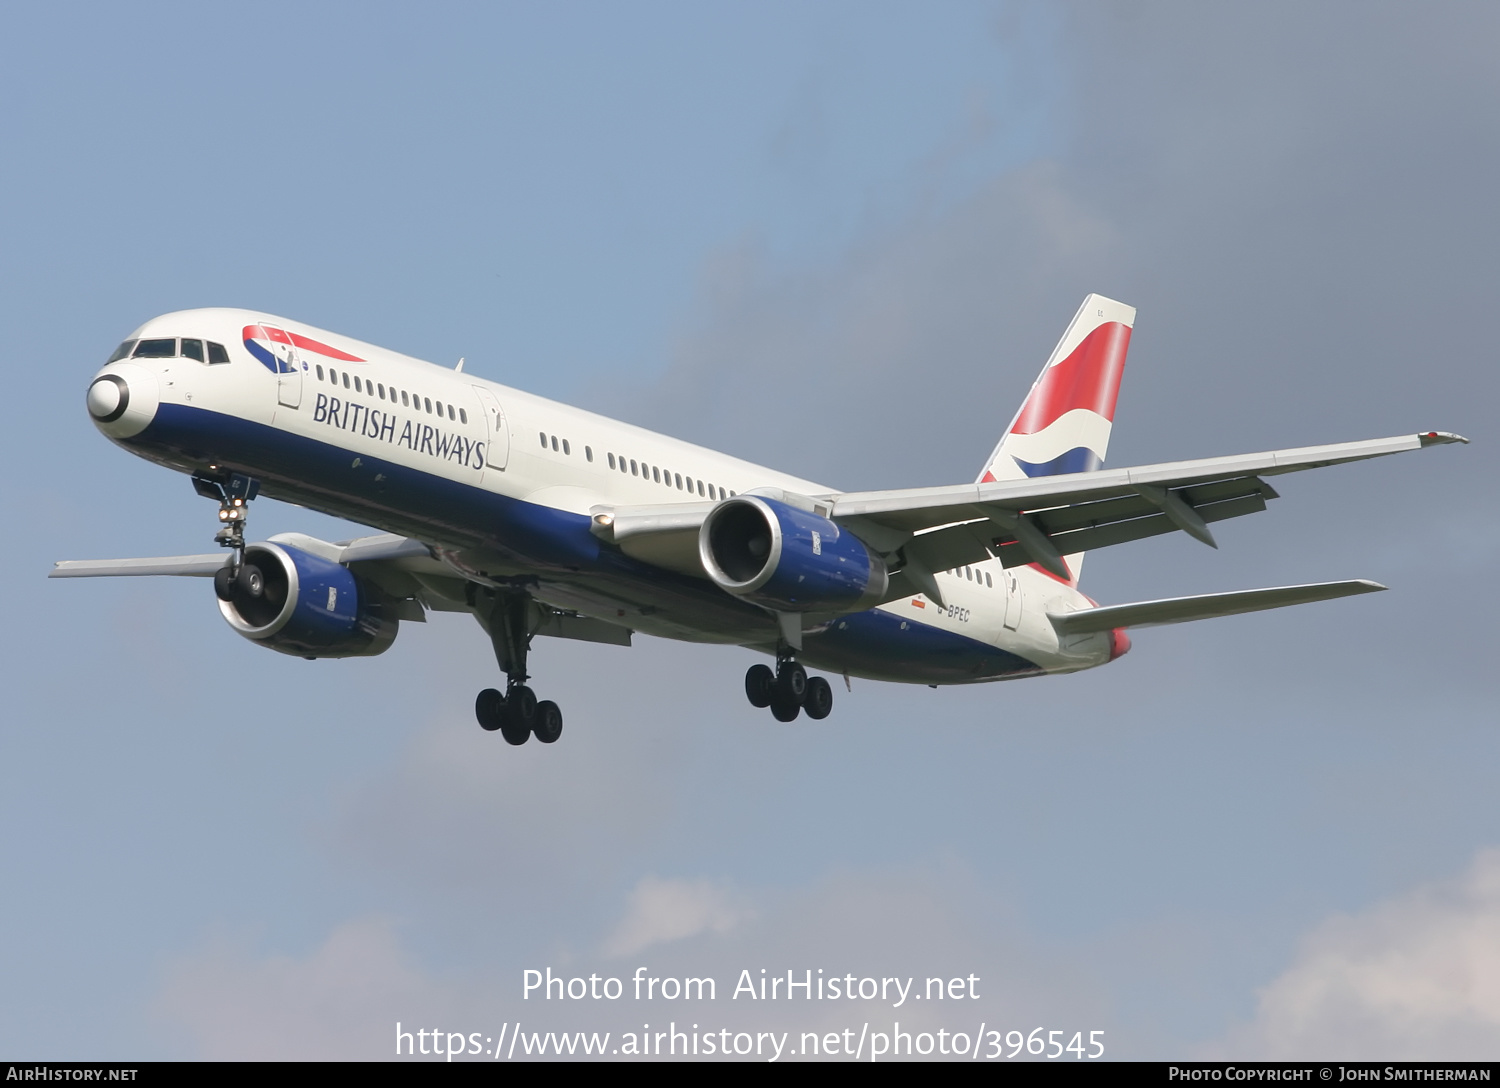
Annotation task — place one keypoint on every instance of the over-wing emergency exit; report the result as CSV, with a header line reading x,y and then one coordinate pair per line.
x,y
541,519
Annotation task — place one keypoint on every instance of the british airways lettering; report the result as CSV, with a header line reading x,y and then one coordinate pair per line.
x,y
601,530
375,423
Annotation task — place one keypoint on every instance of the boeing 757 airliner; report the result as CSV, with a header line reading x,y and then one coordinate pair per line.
x,y
542,519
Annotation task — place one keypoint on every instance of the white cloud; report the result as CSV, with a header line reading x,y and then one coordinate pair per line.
x,y
669,910
1417,978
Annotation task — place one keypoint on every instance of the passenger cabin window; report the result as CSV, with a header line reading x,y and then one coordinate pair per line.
x,y
216,353
463,417
428,403
588,453
192,349
320,371
156,349
543,436
554,443
121,352
566,448
346,379
403,399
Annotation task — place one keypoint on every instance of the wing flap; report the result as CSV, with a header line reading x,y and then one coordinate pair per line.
x,y
1202,607
1012,554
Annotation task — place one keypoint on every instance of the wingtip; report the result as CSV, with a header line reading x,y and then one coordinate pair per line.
x,y
1440,438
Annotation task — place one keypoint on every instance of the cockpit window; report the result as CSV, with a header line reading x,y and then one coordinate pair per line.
x,y
216,353
156,349
121,352
192,349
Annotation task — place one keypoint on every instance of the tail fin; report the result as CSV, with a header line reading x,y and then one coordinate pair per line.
x,y
1065,422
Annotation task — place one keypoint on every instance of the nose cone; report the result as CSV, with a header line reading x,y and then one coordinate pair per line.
x,y
122,399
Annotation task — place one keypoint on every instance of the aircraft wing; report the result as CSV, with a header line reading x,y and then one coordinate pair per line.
x,y
190,566
403,567
385,546
1036,520
1043,519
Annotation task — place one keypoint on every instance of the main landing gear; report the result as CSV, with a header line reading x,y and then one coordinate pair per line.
x,y
517,714
789,690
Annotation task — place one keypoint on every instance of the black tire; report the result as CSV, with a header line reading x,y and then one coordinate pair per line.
x,y
489,709
784,708
548,724
250,585
819,699
791,683
224,583
520,715
758,683
520,701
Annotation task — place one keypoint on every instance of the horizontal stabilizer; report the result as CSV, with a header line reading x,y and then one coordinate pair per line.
x,y
192,566
1205,606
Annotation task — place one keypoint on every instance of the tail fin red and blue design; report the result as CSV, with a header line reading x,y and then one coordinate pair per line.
x,y
1065,422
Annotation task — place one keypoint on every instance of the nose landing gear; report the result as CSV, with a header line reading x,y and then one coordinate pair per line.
x,y
238,580
789,690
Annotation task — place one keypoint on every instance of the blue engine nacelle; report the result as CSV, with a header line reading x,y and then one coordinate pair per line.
x,y
308,606
787,559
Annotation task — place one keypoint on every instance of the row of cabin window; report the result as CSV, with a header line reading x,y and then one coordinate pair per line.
x,y
565,449
975,576
665,476
378,389
657,473
167,348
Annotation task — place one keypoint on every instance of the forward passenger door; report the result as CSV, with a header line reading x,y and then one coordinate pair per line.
x,y
288,366
497,449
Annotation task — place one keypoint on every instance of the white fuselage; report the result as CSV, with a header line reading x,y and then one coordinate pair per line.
x,y
499,480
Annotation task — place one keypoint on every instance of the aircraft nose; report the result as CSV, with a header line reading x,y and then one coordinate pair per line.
x,y
122,399
108,398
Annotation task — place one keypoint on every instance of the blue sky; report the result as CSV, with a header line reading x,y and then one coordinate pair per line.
x,y
837,239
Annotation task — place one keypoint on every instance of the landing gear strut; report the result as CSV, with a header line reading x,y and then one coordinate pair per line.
x,y
238,579
789,690
517,714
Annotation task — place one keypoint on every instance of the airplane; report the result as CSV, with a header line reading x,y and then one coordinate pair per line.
x,y
542,519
